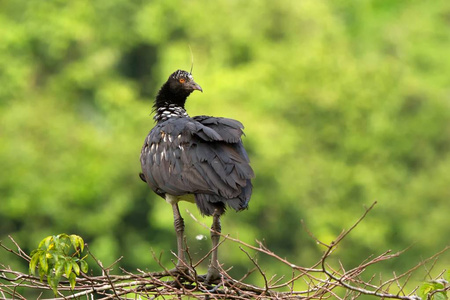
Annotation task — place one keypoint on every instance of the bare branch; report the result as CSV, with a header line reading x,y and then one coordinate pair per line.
x,y
321,281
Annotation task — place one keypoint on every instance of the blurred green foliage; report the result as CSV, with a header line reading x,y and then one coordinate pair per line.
x,y
344,103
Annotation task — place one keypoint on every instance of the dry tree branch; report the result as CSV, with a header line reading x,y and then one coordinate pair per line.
x,y
322,281
105,271
261,248
20,253
266,285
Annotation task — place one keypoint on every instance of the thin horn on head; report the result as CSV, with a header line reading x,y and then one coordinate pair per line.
x,y
192,59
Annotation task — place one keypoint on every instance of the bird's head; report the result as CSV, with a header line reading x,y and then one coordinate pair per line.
x,y
176,89
183,81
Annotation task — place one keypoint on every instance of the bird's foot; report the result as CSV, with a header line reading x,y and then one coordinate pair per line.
x,y
182,271
213,276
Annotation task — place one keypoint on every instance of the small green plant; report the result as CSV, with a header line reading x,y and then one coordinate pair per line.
x,y
435,289
59,255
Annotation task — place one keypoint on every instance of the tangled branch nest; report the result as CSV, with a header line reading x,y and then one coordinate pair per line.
x,y
320,281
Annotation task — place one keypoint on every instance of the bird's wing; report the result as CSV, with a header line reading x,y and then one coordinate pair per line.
x,y
230,130
183,155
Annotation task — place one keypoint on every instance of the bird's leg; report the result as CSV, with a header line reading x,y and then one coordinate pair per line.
x,y
179,229
213,270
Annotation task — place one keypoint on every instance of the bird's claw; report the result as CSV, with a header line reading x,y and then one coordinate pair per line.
x,y
182,271
213,276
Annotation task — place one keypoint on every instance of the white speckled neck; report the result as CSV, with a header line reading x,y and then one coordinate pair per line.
x,y
170,111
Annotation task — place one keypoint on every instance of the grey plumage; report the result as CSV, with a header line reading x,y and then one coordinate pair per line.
x,y
203,156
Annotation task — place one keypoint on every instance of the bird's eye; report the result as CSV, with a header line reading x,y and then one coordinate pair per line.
x,y
182,80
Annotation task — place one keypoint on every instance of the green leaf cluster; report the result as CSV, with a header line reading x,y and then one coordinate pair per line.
x,y
433,290
59,255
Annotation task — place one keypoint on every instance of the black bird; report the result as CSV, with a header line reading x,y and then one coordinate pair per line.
x,y
199,159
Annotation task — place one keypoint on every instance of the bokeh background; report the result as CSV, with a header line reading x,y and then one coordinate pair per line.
x,y
344,102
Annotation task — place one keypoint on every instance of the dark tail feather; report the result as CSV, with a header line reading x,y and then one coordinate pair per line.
x,y
208,204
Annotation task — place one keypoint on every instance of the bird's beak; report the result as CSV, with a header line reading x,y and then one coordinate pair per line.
x,y
195,86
